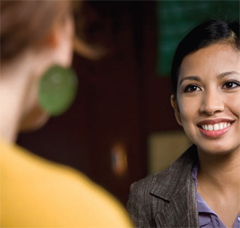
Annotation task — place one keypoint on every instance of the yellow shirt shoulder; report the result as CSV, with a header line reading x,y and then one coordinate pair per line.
x,y
39,193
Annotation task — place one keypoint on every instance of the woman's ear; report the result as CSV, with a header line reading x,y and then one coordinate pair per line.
x,y
60,41
52,40
176,109
48,42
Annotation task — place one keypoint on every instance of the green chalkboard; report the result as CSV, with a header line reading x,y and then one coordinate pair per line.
x,y
176,18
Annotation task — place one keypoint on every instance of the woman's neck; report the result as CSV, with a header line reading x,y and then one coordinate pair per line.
x,y
219,184
13,87
221,172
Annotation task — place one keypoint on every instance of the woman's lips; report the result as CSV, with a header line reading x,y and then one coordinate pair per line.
x,y
215,128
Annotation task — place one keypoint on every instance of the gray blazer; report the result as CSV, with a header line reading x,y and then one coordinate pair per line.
x,y
167,199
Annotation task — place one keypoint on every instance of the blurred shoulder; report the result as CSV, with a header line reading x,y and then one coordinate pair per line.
x,y
53,189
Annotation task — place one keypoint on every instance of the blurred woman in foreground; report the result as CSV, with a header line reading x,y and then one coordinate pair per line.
x,y
36,82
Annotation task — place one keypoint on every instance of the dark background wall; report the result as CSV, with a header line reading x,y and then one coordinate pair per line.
x,y
120,99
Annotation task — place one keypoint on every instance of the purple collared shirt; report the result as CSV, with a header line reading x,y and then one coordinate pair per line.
x,y
207,217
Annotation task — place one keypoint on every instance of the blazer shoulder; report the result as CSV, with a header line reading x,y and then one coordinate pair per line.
x,y
147,183
169,180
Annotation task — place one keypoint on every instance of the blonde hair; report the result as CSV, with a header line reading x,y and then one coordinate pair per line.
x,y
25,23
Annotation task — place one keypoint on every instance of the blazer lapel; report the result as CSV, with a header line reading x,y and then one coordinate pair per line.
x,y
176,189
179,212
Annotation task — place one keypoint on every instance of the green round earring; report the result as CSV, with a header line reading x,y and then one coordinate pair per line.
x,y
57,89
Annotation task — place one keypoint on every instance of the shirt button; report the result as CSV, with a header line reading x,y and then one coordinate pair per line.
x,y
239,219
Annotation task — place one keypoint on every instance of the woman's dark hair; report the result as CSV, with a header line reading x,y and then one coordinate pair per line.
x,y
205,34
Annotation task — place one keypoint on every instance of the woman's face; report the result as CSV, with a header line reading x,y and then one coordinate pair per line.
x,y
208,98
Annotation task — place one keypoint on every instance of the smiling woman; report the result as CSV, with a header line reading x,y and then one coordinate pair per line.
x,y
201,188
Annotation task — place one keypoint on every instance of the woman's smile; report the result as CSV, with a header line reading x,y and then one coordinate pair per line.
x,y
214,127
215,130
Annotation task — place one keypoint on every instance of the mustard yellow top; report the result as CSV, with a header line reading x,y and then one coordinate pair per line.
x,y
39,193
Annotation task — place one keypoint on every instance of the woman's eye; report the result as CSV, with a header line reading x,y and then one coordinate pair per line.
x,y
231,85
191,88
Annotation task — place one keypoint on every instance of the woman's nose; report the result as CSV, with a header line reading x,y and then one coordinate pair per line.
x,y
212,103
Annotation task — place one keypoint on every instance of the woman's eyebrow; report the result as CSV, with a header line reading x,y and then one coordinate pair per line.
x,y
193,78
222,75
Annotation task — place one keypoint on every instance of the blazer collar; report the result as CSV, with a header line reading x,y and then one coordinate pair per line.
x,y
173,180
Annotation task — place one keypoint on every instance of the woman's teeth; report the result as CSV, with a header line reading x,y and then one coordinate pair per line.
x,y
215,127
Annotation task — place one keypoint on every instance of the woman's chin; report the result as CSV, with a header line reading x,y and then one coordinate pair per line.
x,y
34,121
